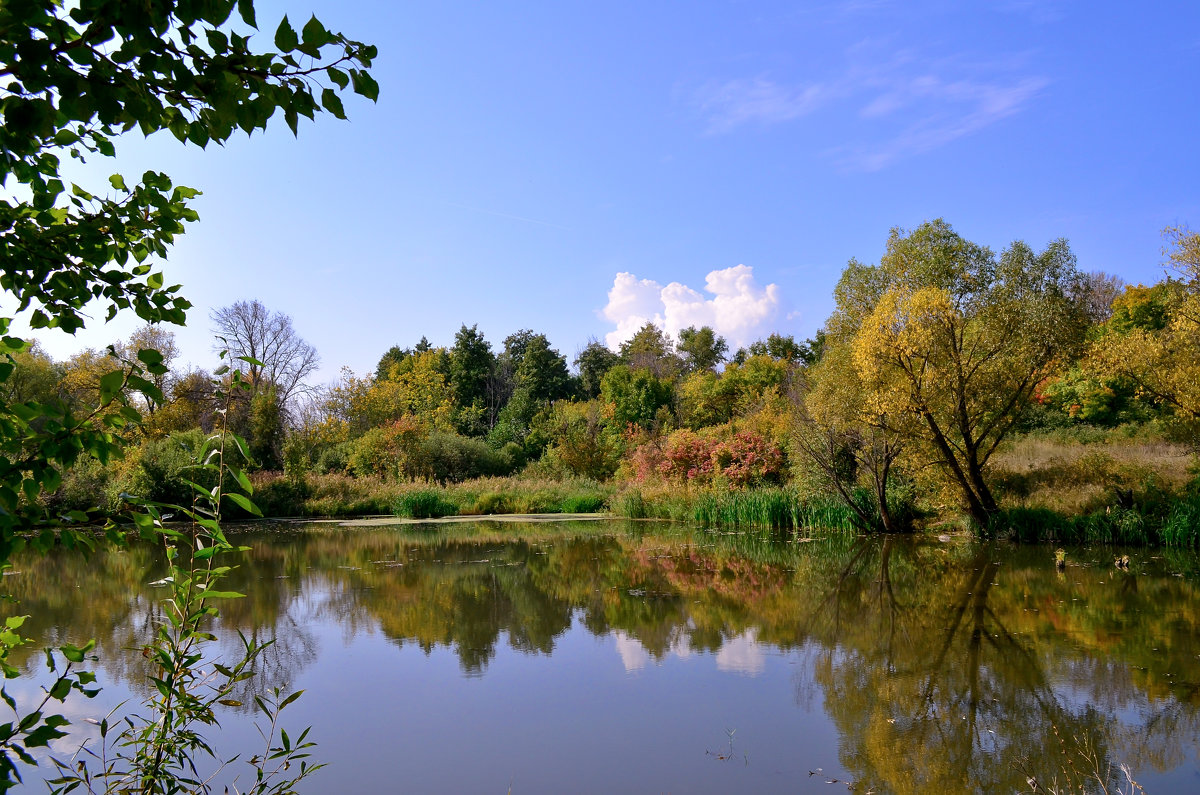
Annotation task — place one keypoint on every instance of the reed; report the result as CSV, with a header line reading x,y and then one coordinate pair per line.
x,y
763,508
1169,523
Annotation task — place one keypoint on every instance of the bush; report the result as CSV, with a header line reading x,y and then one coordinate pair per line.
x,y
159,468
385,451
450,458
85,487
334,459
280,496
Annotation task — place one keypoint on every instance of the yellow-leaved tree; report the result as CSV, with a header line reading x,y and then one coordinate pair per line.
x,y
948,343
1163,358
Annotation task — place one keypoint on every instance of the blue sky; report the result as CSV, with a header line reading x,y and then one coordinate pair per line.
x,y
576,169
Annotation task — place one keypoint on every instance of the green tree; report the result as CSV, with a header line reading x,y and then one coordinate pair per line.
x,y
651,349
392,357
35,377
701,348
543,371
73,77
785,348
637,397
266,429
471,366
592,363
944,332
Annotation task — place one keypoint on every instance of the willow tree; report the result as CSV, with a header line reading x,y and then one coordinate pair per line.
x,y
950,341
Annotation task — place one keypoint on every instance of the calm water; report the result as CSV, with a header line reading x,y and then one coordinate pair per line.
x,y
606,657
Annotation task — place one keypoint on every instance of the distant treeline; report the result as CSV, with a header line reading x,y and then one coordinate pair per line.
x,y
933,360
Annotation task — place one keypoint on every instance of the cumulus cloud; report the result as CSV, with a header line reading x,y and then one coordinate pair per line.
x,y
738,309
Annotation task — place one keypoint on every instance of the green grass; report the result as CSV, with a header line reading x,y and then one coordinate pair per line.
x,y
1168,523
343,495
424,504
764,508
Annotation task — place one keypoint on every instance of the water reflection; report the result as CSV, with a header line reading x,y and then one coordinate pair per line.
x,y
955,666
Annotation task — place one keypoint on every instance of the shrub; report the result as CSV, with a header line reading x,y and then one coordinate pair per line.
x,y
159,468
334,459
747,459
386,450
450,458
280,496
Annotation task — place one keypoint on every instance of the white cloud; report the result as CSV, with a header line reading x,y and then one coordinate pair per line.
x,y
951,111
738,309
905,104
760,100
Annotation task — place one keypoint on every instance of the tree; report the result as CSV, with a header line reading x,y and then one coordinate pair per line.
x,y
848,444
1155,339
35,377
155,338
636,397
580,440
592,363
471,366
73,77
282,358
529,375
943,332
651,349
1096,292
543,371
266,429
701,348
391,357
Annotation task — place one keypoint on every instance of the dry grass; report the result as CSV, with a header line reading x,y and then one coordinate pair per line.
x,y
1073,477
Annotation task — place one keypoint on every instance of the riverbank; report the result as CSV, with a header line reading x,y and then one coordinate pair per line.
x,y
1150,518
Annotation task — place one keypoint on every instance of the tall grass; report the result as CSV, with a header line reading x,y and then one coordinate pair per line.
x,y
343,495
764,508
1168,523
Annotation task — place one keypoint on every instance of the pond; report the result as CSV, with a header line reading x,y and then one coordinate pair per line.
x,y
643,657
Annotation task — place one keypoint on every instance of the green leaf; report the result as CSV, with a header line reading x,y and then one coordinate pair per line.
x,y
285,38
332,103
110,385
244,502
149,356
154,281
246,9
289,700
74,653
118,182
365,85
243,479
338,76
220,595
61,689
314,34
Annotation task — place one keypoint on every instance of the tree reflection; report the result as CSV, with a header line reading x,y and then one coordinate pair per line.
x,y
952,666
